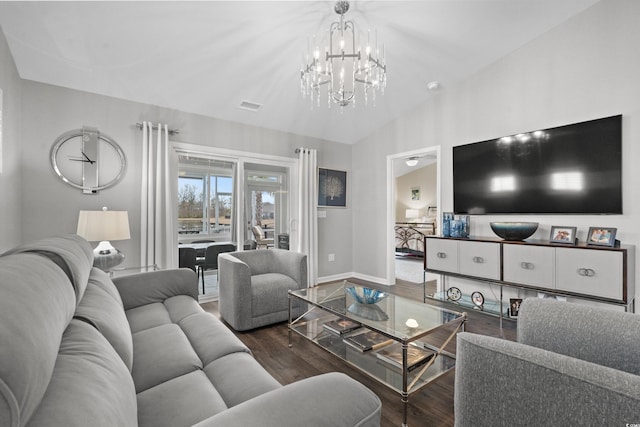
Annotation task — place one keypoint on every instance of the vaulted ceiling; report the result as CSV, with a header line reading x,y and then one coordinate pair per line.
x,y
207,57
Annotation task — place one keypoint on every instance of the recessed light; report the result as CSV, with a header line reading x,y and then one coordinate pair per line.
x,y
434,85
250,106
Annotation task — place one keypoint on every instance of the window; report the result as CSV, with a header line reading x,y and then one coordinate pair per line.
x,y
205,198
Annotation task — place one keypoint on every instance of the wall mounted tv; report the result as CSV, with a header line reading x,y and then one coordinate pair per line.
x,y
573,169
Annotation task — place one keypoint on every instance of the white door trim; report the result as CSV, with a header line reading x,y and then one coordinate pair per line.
x,y
391,202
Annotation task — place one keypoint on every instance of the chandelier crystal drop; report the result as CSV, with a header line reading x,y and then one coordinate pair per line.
x,y
345,68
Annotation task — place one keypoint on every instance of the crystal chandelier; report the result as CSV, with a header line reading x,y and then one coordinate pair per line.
x,y
344,66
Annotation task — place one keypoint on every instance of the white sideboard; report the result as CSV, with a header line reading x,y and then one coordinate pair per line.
x,y
599,273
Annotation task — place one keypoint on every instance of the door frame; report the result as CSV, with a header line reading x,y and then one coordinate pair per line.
x,y
391,202
241,158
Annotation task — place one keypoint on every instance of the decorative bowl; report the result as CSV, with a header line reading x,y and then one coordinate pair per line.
x,y
366,295
514,230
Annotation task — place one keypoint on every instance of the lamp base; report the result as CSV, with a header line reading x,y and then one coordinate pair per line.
x,y
106,257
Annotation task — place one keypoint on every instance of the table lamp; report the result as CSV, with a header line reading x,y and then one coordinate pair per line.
x,y
103,226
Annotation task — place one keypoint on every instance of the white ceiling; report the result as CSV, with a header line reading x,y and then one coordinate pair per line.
x,y
206,57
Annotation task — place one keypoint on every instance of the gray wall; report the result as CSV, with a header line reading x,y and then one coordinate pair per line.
x,y
10,177
51,207
584,69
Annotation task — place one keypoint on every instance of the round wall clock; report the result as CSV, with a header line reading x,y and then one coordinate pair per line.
x,y
454,293
477,298
88,160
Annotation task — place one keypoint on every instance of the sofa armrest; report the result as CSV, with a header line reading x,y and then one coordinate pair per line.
x,y
156,286
328,400
500,382
595,334
235,289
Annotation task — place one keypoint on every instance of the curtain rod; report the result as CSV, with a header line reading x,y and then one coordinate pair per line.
x,y
171,131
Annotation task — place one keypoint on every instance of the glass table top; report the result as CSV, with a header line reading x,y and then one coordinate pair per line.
x,y
398,317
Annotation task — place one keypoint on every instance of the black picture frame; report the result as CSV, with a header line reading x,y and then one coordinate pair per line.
x,y
514,306
602,236
332,188
563,234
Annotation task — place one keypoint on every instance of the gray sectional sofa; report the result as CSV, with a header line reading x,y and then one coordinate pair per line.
x,y
78,349
573,364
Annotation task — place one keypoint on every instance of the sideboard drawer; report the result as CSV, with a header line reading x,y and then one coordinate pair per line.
x,y
529,265
590,272
442,255
479,259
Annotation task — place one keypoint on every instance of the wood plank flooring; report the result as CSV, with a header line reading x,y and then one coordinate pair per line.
x,y
432,406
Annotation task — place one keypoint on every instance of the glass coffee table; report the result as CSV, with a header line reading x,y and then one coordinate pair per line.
x,y
403,343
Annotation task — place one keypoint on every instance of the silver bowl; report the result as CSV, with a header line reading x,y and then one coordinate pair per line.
x,y
514,230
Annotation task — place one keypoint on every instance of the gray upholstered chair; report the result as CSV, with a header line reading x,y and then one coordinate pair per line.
x,y
572,363
254,286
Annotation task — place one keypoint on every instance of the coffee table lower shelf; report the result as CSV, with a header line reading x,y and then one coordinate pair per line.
x,y
368,362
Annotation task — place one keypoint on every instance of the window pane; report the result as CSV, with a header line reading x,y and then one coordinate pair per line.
x,y
190,197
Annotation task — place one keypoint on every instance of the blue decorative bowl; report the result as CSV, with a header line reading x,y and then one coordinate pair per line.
x,y
514,230
366,295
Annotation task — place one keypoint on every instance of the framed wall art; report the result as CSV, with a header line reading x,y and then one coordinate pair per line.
x,y
415,193
332,188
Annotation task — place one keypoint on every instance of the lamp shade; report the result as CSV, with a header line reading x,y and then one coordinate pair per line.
x,y
96,226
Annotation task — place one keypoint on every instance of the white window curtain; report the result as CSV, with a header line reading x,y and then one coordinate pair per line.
x,y
307,236
158,233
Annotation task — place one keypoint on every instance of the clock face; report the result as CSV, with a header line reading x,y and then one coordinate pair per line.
x,y
88,160
477,298
454,293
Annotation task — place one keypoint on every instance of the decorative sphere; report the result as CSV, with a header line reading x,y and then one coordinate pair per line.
x,y
412,323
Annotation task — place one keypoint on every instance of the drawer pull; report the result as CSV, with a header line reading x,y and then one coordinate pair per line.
x,y
586,272
441,255
527,265
478,260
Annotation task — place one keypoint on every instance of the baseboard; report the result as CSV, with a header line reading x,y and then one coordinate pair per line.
x,y
343,276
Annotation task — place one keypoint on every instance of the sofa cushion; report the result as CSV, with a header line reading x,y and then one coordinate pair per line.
x,y
147,317
90,385
37,303
160,354
270,293
72,253
102,309
182,401
210,338
239,377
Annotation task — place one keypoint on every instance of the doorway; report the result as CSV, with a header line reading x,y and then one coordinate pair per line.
x,y
413,207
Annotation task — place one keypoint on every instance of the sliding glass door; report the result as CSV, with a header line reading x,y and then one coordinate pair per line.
x,y
221,196
266,201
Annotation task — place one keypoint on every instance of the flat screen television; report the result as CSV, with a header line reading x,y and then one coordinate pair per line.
x,y
573,169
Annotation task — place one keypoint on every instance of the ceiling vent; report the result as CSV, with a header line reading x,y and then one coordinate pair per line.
x,y
250,106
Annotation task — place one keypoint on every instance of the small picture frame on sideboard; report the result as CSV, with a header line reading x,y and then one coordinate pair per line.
x,y
602,236
562,234
514,306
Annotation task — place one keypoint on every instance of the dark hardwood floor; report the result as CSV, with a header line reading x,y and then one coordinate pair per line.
x,y
431,406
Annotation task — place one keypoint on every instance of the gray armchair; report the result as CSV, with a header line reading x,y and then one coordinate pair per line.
x,y
572,364
254,286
